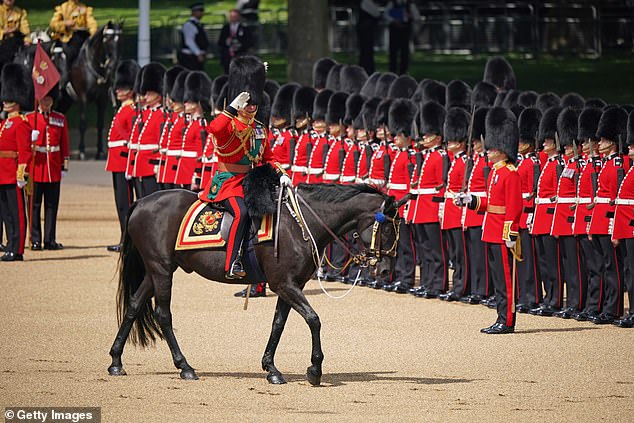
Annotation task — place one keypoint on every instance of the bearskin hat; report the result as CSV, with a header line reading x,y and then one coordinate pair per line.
x,y
263,114
126,74
198,89
401,116
169,78
221,101
383,84
567,126
499,98
383,112
479,123
612,125
336,108
152,78
528,124
510,100
501,132
246,73
596,103
548,124
434,91
354,103
573,100
333,81
370,85
527,99
547,100
352,78
456,124
402,87
321,68
432,117
628,107
499,72
271,87
458,95
177,94
630,129
16,85
283,101
588,124
216,86
483,94
137,83
303,100
417,97
366,119
320,105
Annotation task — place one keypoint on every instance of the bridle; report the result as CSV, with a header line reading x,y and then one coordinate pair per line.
x,y
106,35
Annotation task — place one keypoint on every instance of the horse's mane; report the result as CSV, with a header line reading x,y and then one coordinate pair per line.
x,y
335,193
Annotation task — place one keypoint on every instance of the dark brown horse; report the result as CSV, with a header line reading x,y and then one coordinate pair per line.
x,y
148,261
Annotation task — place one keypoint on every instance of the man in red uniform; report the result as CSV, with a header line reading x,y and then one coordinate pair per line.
x,y
529,285
51,162
15,158
169,115
503,206
612,127
319,140
365,129
354,103
384,150
173,134
623,233
240,143
303,101
118,137
284,135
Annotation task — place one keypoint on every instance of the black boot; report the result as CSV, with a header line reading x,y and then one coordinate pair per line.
x,y
236,271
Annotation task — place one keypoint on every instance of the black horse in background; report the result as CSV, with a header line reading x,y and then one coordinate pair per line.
x,y
148,261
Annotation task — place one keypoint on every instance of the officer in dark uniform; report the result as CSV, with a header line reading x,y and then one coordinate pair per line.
x,y
235,39
194,42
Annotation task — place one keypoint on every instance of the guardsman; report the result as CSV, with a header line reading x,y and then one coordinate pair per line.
x,y
546,245
15,158
499,72
384,151
240,143
503,207
285,136
365,128
456,132
611,130
303,101
354,103
529,286
586,191
321,68
319,144
13,21
169,80
197,99
72,23
402,114
51,163
174,132
118,137
147,131
572,268
428,184
623,233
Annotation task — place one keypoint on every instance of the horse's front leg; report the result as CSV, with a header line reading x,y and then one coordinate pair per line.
x,y
268,359
101,109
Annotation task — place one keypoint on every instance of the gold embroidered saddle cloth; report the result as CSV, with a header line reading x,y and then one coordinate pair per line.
x,y
207,227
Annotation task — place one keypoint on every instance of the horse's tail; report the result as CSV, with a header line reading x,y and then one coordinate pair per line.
x,y
131,275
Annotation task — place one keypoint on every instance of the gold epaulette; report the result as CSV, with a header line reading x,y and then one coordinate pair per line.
x,y
511,167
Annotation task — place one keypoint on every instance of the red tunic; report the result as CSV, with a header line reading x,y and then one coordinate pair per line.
x,y
363,168
476,187
316,160
398,183
15,140
119,136
209,161
380,164
349,168
300,161
281,146
624,211
191,151
429,189
603,211
167,124
564,221
51,147
334,160
527,167
145,139
585,195
173,145
452,214
546,197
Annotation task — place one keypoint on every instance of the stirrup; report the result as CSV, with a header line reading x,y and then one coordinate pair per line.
x,y
236,271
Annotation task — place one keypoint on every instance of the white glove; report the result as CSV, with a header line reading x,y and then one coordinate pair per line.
x,y
510,244
128,177
240,102
462,199
21,184
286,181
35,134
64,173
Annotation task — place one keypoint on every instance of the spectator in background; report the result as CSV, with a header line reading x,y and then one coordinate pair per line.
x,y
400,16
369,15
235,39
194,42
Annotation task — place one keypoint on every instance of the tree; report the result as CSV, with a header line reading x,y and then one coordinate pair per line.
x,y
307,37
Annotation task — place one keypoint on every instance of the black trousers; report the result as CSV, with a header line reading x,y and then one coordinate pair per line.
x,y
405,266
14,217
145,186
123,197
366,28
529,286
434,271
239,227
49,191
458,256
547,248
501,267
399,48
612,270
593,264
627,249
573,272
477,261
190,61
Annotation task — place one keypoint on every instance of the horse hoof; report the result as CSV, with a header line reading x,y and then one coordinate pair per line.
x,y
313,378
275,379
189,374
116,371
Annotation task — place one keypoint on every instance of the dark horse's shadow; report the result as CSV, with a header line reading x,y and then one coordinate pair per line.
x,y
339,379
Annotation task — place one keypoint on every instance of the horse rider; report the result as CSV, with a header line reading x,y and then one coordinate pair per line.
x,y
72,24
13,22
241,143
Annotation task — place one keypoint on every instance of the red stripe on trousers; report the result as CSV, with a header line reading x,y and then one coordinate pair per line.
x,y
508,280
21,219
232,232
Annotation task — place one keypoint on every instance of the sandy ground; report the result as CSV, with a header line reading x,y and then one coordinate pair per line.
x,y
387,357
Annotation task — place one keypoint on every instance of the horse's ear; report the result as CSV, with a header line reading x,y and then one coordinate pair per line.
x,y
403,200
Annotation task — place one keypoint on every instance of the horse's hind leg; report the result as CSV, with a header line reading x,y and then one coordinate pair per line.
x,y
163,297
140,297
279,321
